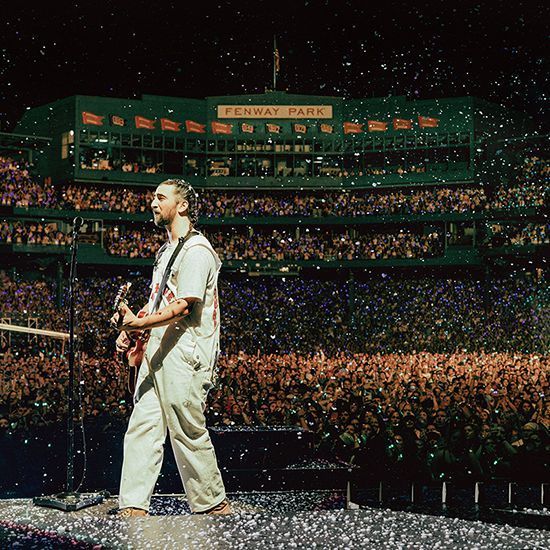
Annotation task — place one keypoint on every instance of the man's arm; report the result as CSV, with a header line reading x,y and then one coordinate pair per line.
x,y
123,341
127,321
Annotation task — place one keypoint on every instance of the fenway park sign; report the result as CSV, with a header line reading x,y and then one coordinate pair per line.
x,y
274,111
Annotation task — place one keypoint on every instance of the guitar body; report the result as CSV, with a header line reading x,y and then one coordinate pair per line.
x,y
133,356
135,353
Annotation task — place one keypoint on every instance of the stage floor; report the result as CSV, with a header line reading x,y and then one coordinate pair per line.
x,y
260,520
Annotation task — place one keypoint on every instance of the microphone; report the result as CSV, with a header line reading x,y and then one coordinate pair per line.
x,y
78,222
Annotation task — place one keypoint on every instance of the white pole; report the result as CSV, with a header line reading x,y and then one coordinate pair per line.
x,y
51,333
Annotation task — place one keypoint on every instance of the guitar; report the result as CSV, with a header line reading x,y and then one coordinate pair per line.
x,y
133,356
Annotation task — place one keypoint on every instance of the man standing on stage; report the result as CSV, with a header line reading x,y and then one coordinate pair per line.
x,y
179,363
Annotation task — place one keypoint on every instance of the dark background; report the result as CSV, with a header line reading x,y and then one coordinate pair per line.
x,y
490,49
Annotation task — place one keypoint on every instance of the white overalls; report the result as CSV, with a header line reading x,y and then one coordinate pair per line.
x,y
173,382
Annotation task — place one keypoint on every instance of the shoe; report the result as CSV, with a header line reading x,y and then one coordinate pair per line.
x,y
222,509
131,513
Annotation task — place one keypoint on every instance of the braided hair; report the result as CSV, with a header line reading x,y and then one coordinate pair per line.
x,y
186,192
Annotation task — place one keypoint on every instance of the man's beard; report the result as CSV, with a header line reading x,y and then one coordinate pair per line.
x,y
161,221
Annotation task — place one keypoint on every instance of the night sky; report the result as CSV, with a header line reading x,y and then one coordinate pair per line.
x,y
491,49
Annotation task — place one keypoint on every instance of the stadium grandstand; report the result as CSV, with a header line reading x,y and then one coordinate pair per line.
x,y
384,285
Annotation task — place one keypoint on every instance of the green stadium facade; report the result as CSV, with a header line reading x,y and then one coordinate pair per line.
x,y
278,141
271,140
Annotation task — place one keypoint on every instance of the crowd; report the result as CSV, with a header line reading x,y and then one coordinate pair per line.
x,y
511,234
18,187
97,162
348,203
384,314
109,199
421,415
281,244
33,233
411,416
528,190
440,377
273,244
132,244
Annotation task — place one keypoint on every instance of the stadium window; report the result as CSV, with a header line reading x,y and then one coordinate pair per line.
x,y
173,163
102,137
126,140
443,139
431,140
115,138
410,141
148,141
136,140
157,142
64,145
180,144
168,142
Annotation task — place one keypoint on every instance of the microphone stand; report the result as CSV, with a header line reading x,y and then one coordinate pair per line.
x,y
70,501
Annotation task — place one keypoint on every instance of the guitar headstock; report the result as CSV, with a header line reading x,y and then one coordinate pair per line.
x,y
121,295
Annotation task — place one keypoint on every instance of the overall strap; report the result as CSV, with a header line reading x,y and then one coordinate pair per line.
x,y
181,242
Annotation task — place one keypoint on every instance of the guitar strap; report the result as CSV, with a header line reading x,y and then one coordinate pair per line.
x,y
181,242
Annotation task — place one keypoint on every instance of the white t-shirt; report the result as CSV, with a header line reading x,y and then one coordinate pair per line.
x,y
194,274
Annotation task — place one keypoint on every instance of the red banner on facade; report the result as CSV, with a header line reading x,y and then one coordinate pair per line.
x,y
169,125
402,124
117,120
90,118
300,128
273,128
327,128
142,122
377,126
353,128
221,128
192,126
247,128
428,122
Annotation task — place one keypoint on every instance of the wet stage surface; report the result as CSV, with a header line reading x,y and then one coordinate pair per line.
x,y
260,520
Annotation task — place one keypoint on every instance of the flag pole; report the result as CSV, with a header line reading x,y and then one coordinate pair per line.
x,y
274,63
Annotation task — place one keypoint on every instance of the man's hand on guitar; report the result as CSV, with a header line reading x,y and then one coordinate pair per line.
x,y
123,342
125,320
